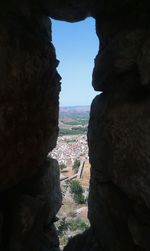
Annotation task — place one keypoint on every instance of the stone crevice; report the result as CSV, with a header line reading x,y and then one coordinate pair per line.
x,y
118,132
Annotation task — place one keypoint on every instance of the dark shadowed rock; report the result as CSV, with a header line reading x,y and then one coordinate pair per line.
x,y
30,211
1,228
116,58
84,242
118,136
28,122
118,133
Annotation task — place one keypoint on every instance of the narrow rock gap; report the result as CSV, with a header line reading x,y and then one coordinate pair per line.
x,y
118,131
76,47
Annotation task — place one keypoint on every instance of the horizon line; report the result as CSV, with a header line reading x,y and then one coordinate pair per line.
x,y
73,105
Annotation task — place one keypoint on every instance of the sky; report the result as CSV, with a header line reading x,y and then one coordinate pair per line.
x,y
76,47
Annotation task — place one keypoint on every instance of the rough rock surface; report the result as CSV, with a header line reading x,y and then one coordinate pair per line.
x,y
28,99
118,135
29,211
119,155
119,204
1,224
84,242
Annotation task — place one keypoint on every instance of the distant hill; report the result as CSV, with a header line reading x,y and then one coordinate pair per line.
x,y
73,120
74,112
75,108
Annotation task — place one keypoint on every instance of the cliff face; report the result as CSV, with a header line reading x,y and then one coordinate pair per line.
x,y
118,134
29,99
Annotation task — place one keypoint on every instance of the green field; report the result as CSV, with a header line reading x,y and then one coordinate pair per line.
x,y
74,120
74,131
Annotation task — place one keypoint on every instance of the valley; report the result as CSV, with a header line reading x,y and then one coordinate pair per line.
x,y
71,153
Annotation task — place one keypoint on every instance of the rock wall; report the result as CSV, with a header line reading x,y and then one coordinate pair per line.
x,y
29,212
29,98
118,134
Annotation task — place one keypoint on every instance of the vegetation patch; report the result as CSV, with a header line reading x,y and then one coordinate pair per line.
x,y
67,228
62,166
75,131
77,191
76,165
82,122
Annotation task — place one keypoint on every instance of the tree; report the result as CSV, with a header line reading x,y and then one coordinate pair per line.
x,y
76,165
77,191
62,166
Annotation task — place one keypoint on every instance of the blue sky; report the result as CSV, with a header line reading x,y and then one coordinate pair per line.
x,y
76,47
